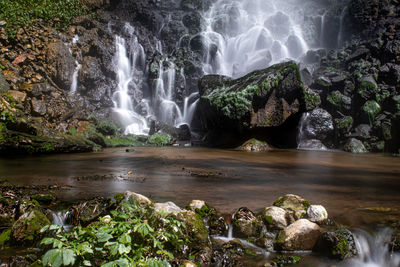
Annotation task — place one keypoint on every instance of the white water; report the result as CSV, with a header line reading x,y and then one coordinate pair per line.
x,y
74,84
373,250
59,218
129,69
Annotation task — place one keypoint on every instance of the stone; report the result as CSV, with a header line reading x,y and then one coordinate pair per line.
x,y
275,218
355,146
89,211
197,204
338,244
38,106
17,95
254,145
4,86
294,203
246,224
195,224
317,214
311,144
26,230
368,87
300,235
138,197
168,208
61,64
40,89
318,125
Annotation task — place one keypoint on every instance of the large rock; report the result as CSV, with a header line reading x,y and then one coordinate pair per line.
x,y
297,205
4,86
168,208
138,197
61,64
26,230
300,235
318,125
355,146
263,98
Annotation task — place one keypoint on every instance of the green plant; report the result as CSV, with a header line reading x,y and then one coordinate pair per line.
x,y
22,13
160,139
134,235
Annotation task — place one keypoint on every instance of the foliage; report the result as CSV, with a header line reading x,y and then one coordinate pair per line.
x,y
134,235
160,139
107,127
22,13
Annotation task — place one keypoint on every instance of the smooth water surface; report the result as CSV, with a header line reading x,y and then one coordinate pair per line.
x,y
355,189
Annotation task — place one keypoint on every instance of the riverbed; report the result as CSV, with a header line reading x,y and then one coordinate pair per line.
x,y
357,190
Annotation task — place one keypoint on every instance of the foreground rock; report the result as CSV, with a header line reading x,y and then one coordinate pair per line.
x,y
338,244
300,235
295,204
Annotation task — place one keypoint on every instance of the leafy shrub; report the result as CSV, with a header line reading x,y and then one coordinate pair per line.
x,y
134,235
160,139
22,13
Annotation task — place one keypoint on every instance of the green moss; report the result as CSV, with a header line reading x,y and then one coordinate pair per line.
x,y
107,127
367,88
341,248
47,148
42,198
5,238
119,197
344,123
268,220
23,13
372,108
311,98
306,204
27,228
159,139
335,98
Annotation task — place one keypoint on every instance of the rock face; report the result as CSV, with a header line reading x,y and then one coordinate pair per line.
x,y
259,100
300,235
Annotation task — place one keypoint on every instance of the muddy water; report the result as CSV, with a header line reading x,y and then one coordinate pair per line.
x,y
355,189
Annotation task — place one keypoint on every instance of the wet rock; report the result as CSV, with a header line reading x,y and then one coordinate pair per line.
x,y
294,203
338,244
215,222
318,125
300,235
317,214
275,218
90,73
197,205
167,207
40,89
368,87
246,224
184,133
138,197
89,211
17,95
254,145
311,144
227,253
26,230
355,146
44,198
197,230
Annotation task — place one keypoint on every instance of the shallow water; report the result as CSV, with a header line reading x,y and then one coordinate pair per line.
x,y
355,189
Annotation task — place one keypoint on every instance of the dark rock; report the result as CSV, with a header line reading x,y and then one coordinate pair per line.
x,y
361,52
4,86
90,74
184,133
311,144
38,106
228,254
26,230
246,224
338,244
87,212
318,125
355,146
192,21
40,89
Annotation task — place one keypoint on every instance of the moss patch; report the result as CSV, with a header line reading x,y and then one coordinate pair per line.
x,y
159,139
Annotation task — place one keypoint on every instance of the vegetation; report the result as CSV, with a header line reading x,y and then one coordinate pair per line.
x,y
134,235
22,13
159,139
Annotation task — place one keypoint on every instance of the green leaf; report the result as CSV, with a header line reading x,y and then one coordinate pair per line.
x,y
68,257
47,241
103,237
87,263
45,228
122,249
53,258
125,239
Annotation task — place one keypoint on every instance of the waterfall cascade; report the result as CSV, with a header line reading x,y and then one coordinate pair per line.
x,y
238,37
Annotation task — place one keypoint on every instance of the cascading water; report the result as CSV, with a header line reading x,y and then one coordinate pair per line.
x,y
129,76
373,250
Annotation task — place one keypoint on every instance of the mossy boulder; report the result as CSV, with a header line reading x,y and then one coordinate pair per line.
x,y
88,211
368,87
246,224
293,203
263,98
355,146
254,145
300,235
26,230
44,198
338,244
214,221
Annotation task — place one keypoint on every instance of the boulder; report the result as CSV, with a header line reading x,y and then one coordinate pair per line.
x,y
254,145
88,211
168,208
318,125
246,224
138,197
215,222
338,244
26,230
317,213
275,218
297,205
17,95
300,235
38,106
263,98
197,205
355,146
4,86
311,144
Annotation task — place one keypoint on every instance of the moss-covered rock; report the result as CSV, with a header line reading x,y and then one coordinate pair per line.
x,y
254,145
44,198
355,146
26,230
246,224
294,203
372,108
300,235
338,244
368,87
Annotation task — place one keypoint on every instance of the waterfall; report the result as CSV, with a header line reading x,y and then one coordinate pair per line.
x,y
60,219
242,36
74,84
126,98
373,250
